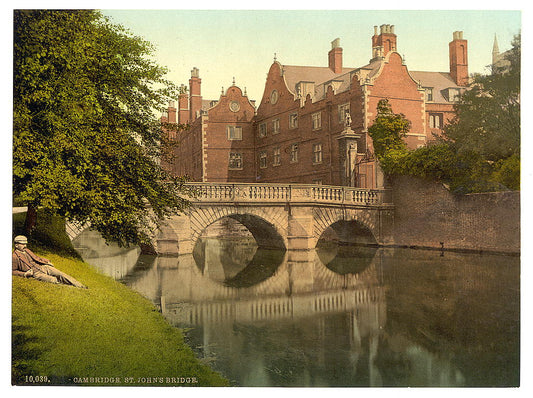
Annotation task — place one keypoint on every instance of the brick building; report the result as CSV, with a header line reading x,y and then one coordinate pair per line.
x,y
311,125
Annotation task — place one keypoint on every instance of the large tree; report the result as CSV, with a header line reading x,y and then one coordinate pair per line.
x,y
87,142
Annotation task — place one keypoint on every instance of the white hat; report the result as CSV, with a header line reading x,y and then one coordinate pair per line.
x,y
21,239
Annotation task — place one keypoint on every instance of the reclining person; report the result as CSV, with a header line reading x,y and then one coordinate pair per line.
x,y
28,265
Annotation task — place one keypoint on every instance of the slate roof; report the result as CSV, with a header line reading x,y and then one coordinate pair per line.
x,y
439,81
322,76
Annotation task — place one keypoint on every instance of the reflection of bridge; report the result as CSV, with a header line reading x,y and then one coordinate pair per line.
x,y
290,217
301,286
247,328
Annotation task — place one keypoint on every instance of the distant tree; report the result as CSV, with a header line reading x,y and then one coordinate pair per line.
x,y
87,142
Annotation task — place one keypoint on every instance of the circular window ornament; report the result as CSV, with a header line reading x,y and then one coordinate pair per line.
x,y
234,106
274,96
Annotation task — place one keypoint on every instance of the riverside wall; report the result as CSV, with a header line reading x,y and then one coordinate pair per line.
x,y
428,215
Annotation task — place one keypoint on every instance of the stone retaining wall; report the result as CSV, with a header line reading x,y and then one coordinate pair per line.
x,y
426,214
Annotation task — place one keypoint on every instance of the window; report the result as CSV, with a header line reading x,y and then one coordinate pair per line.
x,y
234,133
429,94
275,126
343,110
235,161
317,120
293,120
453,94
435,120
294,153
277,157
263,160
262,130
317,153
317,182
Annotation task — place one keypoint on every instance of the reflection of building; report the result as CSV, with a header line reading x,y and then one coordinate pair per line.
x,y
298,133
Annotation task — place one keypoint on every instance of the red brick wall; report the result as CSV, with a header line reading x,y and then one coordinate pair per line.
x,y
217,144
447,112
305,170
395,84
189,152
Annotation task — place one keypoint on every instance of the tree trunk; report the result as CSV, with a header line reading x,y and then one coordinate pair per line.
x,y
31,220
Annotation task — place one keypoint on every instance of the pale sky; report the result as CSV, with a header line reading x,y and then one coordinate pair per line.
x,y
224,44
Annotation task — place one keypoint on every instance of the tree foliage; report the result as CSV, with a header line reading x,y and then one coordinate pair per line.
x,y
479,150
487,119
387,133
86,143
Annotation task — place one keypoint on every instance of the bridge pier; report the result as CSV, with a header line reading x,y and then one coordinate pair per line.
x,y
175,237
300,229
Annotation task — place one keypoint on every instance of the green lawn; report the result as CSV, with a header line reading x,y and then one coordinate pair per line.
x,y
63,335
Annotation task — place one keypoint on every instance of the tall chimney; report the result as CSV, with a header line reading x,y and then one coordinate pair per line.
x,y
171,112
335,56
183,105
195,94
459,59
383,43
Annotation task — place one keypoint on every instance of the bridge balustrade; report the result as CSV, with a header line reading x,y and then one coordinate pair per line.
x,y
244,192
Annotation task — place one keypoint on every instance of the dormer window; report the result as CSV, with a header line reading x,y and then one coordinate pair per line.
x,y
429,94
303,88
454,94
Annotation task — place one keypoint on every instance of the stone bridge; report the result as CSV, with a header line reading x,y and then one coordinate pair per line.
x,y
285,216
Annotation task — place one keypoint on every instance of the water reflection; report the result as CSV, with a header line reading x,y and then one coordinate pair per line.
x,y
346,259
340,316
236,263
110,259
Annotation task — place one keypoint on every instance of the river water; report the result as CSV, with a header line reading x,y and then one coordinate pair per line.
x,y
335,316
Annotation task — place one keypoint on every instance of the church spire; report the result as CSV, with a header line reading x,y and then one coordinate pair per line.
x,y
495,50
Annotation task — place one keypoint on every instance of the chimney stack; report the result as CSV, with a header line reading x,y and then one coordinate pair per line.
x,y
335,56
459,59
383,43
195,94
183,105
171,112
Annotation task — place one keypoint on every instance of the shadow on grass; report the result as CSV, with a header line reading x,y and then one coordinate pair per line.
x,y
24,352
49,233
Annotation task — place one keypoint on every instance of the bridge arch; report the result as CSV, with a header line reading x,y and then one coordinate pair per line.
x,y
356,226
265,225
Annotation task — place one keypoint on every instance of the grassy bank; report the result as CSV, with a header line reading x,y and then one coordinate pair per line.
x,y
105,335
